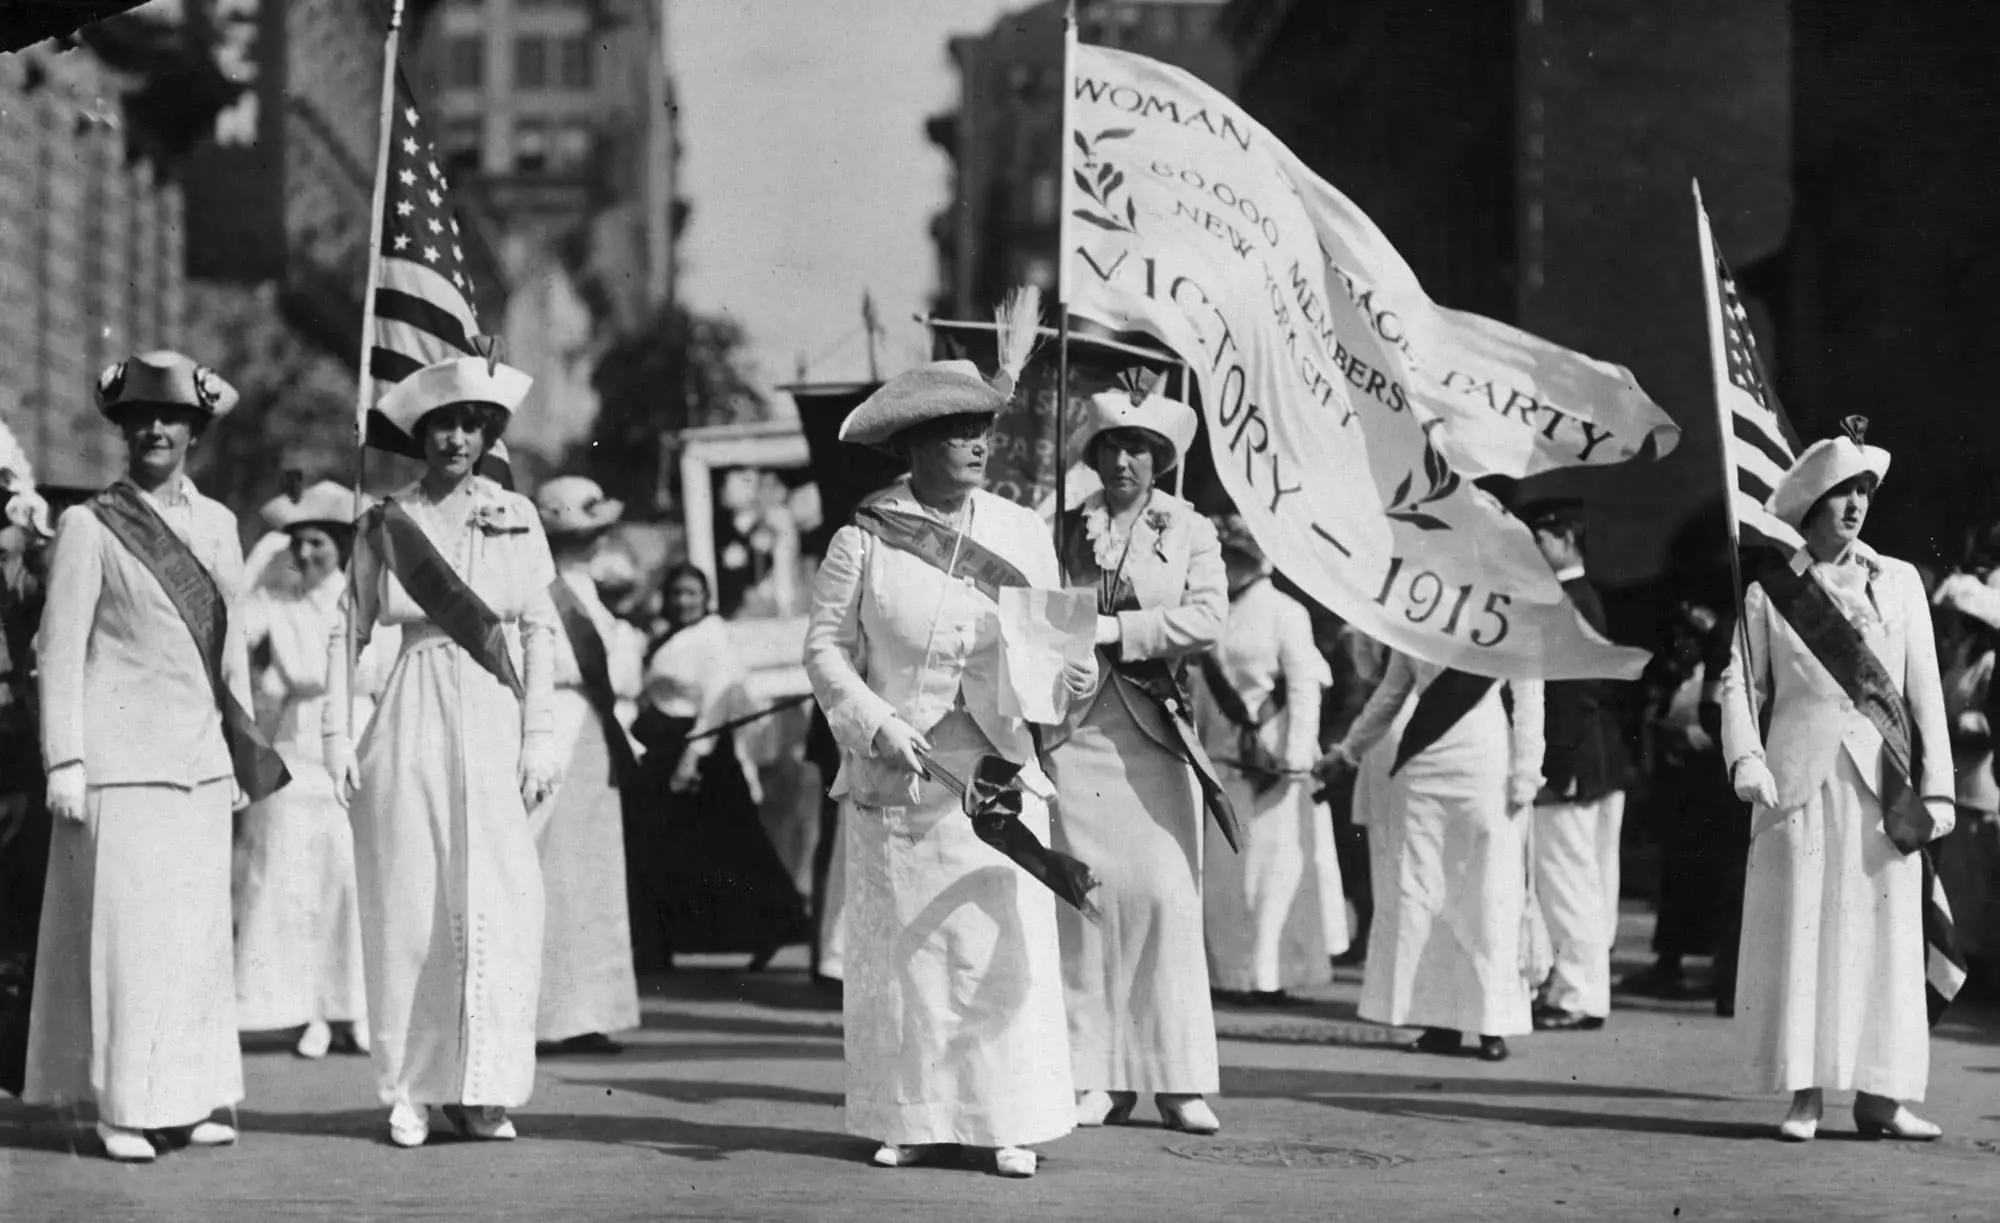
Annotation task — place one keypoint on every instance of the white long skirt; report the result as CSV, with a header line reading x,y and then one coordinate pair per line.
x,y
1830,983
1136,982
135,1000
1451,885
953,1001
587,979
451,889
1275,913
298,923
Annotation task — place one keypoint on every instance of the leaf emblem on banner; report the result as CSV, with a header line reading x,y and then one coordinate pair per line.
x,y
1440,481
1102,187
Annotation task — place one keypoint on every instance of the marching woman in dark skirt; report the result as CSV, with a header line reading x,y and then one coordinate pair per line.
x,y
710,880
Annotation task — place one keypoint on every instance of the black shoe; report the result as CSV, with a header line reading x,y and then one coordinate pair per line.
x,y
1269,997
762,960
1654,982
1442,1042
1492,1049
1354,957
590,1044
1566,1021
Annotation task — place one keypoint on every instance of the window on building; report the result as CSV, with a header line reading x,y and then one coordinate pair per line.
x,y
465,62
1043,199
531,146
572,145
531,62
576,62
463,137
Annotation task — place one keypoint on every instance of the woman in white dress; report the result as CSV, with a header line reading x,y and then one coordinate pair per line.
x,y
1445,829
953,999
1130,805
298,928
1830,984
1275,913
462,747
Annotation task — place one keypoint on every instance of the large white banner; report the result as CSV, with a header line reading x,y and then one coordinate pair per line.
x,y
1346,412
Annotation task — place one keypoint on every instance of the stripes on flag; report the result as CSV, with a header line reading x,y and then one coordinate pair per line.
x,y
421,312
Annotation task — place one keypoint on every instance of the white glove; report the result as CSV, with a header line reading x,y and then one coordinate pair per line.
x,y
1108,630
67,785
27,510
1080,677
540,773
1521,791
1754,783
342,766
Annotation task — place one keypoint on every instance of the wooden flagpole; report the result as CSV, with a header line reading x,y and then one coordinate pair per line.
x,y
1062,285
364,392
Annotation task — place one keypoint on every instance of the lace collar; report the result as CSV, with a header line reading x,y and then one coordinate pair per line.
x,y
1108,539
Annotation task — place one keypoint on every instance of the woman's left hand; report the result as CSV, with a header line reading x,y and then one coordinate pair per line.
x,y
539,774
1080,675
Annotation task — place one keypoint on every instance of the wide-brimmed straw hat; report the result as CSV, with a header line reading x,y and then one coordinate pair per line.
x,y
164,379
942,389
1825,466
915,396
576,505
1135,406
324,504
459,380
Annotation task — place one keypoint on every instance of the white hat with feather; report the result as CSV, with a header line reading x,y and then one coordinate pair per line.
x,y
941,389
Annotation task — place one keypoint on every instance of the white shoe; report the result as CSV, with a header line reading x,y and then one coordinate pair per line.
x,y
1802,1123
889,1155
212,1134
1095,1108
1189,1114
1901,1123
315,1040
409,1125
1016,1162
485,1122
125,1146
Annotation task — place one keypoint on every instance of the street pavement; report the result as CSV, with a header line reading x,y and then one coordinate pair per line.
x,y
727,1105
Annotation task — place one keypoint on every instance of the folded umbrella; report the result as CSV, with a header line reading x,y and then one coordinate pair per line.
x,y
992,800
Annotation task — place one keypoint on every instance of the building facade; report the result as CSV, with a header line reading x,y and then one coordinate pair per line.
x,y
1005,142
557,118
1531,159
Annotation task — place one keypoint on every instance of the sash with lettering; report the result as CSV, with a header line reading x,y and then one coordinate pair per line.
x,y
260,771
1845,653
436,587
934,543
594,667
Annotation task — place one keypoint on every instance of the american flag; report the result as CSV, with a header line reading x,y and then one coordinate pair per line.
x,y
1757,438
422,311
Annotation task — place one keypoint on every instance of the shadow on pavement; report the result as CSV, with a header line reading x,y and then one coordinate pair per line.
x,y
735,1025
773,989
702,1051
667,1135
696,1091
1553,1118
1326,1085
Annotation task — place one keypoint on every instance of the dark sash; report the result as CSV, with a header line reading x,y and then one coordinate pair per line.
x,y
1451,696
436,587
933,543
595,669
260,771
1253,759
1845,653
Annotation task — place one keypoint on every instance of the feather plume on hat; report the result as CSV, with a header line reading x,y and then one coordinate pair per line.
x,y
1019,323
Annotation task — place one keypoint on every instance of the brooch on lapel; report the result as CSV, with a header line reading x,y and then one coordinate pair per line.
x,y
499,518
1158,520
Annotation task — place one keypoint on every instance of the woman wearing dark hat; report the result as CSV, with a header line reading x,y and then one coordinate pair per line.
x,y
1140,1018
1831,978
461,748
954,1009
144,693
1274,914
298,927
588,986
